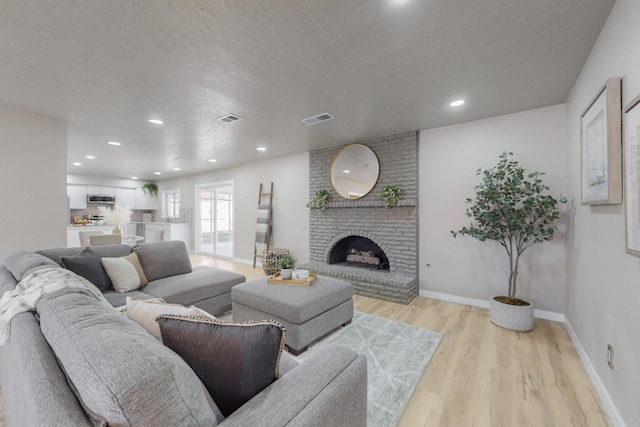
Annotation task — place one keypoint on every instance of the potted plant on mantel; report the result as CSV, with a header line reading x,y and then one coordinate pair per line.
x,y
516,212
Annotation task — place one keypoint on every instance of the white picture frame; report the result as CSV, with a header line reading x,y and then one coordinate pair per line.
x,y
601,142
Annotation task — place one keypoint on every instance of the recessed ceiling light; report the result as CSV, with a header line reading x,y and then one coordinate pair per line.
x,y
134,177
346,171
156,121
457,103
261,148
113,143
157,173
176,169
212,160
91,157
77,164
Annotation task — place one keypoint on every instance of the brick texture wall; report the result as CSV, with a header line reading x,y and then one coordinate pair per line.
x,y
394,229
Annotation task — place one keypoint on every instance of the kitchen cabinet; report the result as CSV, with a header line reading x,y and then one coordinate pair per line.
x,y
145,201
101,190
77,196
126,197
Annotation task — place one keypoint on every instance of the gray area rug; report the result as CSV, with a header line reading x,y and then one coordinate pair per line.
x,y
397,355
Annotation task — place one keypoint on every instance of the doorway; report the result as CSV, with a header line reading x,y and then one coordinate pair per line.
x,y
215,219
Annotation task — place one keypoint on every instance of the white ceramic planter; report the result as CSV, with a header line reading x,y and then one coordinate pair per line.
x,y
514,317
286,273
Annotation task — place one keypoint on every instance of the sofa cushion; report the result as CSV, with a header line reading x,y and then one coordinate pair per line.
x,y
120,373
119,299
23,263
103,250
202,283
88,264
235,361
163,259
144,312
125,272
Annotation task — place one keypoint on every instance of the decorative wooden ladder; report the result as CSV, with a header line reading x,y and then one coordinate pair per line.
x,y
263,224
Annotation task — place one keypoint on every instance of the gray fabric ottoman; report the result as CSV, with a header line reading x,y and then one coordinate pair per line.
x,y
308,312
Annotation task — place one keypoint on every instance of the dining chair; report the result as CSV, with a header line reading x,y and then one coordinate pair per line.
x,y
158,236
105,239
84,236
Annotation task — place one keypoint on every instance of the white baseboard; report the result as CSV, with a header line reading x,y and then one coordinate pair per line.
x,y
540,314
609,407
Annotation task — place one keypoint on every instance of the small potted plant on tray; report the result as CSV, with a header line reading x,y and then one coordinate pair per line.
x,y
286,264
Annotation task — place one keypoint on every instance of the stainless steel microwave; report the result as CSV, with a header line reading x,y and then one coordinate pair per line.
x,y
93,198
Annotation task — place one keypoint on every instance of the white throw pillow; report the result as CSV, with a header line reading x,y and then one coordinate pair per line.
x,y
145,312
125,272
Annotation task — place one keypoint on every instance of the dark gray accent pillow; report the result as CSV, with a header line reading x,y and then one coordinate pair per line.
x,y
23,263
163,259
235,361
88,264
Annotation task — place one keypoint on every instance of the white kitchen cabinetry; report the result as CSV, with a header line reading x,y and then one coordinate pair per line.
x,y
172,231
101,190
145,201
77,196
126,197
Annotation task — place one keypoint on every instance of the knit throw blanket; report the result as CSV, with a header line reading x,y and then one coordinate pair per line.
x,y
28,292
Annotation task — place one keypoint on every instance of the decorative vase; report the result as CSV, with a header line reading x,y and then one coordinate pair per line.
x,y
514,317
286,273
116,230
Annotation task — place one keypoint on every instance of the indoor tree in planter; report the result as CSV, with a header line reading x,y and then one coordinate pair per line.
x,y
517,212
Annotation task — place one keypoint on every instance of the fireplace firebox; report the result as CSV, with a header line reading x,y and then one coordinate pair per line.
x,y
359,251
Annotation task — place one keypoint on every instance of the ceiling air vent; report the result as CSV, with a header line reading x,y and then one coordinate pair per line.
x,y
229,118
318,119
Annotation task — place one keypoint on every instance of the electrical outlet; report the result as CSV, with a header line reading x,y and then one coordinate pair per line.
x,y
610,353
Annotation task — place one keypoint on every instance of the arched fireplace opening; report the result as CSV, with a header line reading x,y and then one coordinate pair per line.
x,y
359,251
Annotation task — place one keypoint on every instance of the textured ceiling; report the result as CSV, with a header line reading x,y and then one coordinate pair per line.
x,y
380,67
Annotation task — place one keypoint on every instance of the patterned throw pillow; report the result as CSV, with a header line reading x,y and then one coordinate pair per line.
x,y
145,311
235,361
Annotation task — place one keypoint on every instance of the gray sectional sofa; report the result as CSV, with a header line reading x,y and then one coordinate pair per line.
x,y
76,361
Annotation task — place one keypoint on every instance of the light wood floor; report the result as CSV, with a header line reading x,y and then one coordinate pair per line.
x,y
482,375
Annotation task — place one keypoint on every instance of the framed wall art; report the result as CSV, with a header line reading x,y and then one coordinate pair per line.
x,y
601,139
632,176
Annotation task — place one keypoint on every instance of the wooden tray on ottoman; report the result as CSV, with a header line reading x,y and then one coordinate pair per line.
x,y
277,279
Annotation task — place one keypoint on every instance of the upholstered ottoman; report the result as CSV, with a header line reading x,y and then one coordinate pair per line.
x,y
308,312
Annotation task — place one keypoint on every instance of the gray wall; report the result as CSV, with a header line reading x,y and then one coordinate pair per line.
x,y
603,282
33,168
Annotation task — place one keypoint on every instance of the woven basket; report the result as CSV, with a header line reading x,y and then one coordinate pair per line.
x,y
270,259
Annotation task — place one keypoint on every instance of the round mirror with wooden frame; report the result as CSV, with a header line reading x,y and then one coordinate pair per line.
x,y
354,171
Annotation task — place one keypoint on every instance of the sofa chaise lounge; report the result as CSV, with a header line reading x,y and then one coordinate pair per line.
x,y
74,349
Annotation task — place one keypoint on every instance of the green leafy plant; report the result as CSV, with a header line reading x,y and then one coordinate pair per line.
x,y
319,201
287,262
390,195
150,189
515,211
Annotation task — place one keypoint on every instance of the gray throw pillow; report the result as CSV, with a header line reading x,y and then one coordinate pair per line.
x,y
88,264
163,259
235,361
23,263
